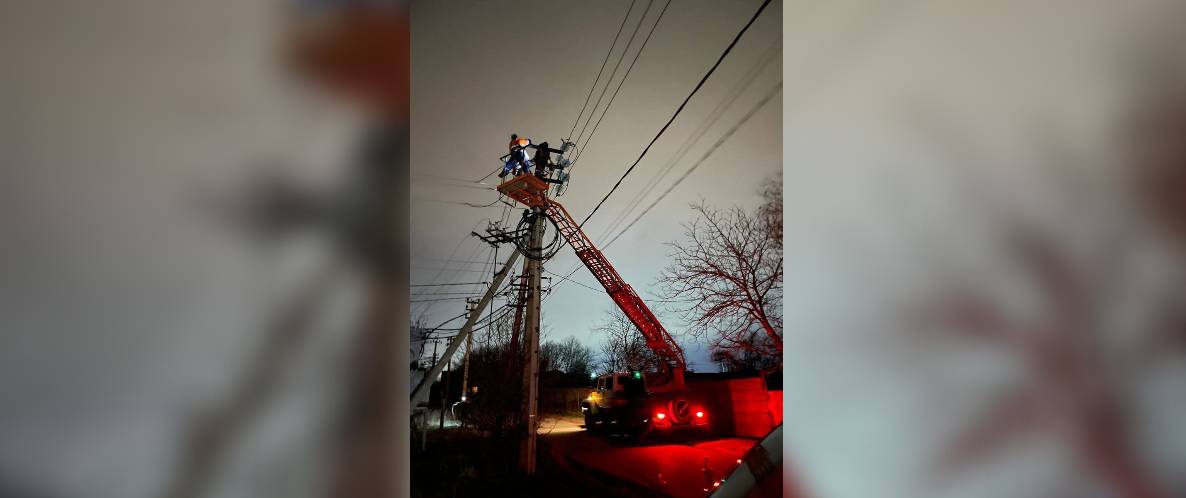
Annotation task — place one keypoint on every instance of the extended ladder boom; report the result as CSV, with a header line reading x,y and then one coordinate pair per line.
x,y
532,192
639,314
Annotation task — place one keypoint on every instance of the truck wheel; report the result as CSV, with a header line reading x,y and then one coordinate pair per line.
x,y
595,423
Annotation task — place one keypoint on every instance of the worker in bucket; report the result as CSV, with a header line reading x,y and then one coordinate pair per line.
x,y
542,160
517,161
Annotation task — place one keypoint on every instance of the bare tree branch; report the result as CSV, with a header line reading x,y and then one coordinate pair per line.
x,y
727,273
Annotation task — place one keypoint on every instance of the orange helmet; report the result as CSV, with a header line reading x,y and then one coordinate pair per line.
x,y
523,142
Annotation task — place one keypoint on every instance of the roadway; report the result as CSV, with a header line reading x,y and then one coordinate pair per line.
x,y
613,467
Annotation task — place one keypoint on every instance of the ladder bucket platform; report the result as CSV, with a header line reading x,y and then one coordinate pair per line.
x,y
527,189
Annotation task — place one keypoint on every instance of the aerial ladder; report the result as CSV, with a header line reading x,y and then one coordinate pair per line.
x,y
531,191
666,401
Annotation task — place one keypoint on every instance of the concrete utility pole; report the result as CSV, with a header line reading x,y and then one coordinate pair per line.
x,y
531,350
471,306
434,362
434,350
445,386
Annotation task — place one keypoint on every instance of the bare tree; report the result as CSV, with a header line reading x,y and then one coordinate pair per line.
x,y
420,334
493,391
569,356
549,356
624,347
498,333
742,360
577,357
726,277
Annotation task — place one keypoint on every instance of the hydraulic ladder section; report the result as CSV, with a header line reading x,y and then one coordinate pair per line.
x,y
639,314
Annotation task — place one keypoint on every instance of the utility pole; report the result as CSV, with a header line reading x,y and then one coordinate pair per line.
x,y
434,350
445,386
531,349
434,362
469,339
471,306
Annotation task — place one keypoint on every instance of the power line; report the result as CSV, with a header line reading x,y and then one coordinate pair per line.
x,y
472,261
441,299
488,175
463,270
678,110
490,204
599,71
449,182
436,333
562,277
474,329
615,71
444,178
439,285
620,83
506,212
774,91
714,147
457,265
467,295
479,325
461,293
456,293
457,273
454,252
428,332
460,203
713,116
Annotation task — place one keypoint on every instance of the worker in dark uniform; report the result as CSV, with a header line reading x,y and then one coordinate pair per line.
x,y
543,160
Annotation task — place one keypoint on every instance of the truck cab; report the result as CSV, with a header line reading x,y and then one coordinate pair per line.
x,y
621,403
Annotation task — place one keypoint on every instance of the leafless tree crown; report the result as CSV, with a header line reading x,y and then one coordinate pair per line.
x,y
726,275
624,347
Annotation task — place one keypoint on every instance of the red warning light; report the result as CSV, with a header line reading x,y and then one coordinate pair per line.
x,y
701,418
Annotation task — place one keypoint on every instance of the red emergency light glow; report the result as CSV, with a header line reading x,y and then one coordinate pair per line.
x,y
701,417
661,421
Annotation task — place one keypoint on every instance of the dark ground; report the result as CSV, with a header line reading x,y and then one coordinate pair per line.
x,y
460,462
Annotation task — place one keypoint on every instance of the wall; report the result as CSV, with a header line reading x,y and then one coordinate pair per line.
x,y
740,407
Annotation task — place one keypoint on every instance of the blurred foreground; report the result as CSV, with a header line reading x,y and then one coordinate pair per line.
x,y
205,268
985,207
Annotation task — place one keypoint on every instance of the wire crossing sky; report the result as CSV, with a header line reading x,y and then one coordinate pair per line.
x,y
679,109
